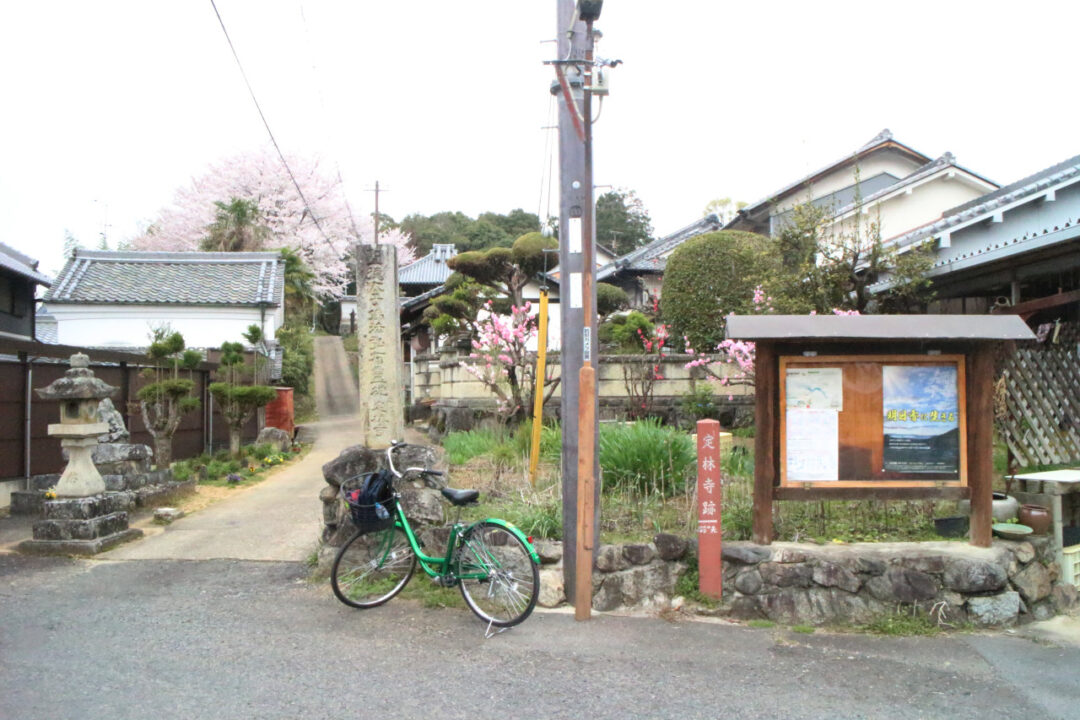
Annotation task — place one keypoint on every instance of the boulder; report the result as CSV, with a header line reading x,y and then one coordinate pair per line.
x,y
423,506
609,558
552,590
1033,583
1024,552
639,554
1065,597
748,582
830,575
901,585
746,553
166,515
107,413
640,585
277,437
1000,609
352,461
785,575
974,576
670,547
549,551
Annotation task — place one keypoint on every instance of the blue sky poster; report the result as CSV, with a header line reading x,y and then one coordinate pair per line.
x,y
922,419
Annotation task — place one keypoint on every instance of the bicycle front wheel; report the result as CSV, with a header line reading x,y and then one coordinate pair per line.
x,y
371,568
498,578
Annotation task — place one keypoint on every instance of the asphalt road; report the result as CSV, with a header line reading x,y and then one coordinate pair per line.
x,y
242,639
336,391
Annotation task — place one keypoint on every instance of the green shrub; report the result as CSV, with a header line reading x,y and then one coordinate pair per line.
x,y
550,441
610,298
711,276
260,452
464,446
622,330
698,403
298,357
182,470
646,457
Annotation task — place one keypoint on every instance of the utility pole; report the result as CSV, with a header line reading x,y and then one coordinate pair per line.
x,y
577,306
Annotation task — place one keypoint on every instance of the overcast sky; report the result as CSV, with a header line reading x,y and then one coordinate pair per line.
x,y
110,106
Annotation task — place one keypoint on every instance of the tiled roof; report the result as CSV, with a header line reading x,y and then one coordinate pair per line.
x,y
1031,185
181,278
653,257
430,269
22,265
948,160
45,328
882,138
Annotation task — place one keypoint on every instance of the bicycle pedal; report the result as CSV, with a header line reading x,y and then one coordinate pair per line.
x,y
444,581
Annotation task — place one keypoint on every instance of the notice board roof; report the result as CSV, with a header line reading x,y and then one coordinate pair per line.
x,y
878,327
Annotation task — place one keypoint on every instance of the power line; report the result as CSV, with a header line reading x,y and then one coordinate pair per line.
x,y
266,124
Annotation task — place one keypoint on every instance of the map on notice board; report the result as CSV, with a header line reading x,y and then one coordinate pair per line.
x,y
815,388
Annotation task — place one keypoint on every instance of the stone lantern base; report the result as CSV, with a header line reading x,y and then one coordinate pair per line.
x,y
81,526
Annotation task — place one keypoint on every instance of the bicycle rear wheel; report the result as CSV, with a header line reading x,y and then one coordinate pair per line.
x,y
371,568
498,578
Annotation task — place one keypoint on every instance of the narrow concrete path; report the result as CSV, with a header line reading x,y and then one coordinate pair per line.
x,y
336,391
281,518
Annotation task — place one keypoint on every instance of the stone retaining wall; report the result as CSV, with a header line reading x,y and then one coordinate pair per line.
x,y
849,584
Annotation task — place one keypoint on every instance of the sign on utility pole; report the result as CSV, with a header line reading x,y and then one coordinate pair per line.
x,y
577,305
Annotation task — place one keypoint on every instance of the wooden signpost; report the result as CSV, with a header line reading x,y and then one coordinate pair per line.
x,y
709,502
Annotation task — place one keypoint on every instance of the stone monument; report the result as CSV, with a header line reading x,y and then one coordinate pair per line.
x,y
382,406
83,518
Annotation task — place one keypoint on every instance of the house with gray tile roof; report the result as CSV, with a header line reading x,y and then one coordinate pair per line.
x,y
19,279
885,180
115,298
1015,249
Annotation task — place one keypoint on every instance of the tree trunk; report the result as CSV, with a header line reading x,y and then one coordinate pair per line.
x,y
234,442
163,450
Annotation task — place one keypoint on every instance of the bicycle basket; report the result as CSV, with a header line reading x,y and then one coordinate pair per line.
x,y
370,498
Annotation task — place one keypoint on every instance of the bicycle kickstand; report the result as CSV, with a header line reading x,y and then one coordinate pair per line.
x,y
489,633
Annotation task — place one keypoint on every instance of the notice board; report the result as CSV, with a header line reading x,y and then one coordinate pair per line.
x,y
873,421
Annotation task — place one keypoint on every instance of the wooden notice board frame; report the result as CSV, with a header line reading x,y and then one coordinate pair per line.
x,y
861,422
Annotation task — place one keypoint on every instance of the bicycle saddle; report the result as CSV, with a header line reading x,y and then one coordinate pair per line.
x,y
460,497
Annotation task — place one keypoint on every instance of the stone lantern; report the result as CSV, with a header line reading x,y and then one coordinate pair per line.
x,y
84,519
79,393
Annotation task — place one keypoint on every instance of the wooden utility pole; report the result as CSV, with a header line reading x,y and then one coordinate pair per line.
x,y
577,305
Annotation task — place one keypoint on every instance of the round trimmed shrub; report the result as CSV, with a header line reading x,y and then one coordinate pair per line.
x,y
711,276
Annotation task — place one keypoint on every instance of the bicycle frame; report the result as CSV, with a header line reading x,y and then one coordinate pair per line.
x,y
440,567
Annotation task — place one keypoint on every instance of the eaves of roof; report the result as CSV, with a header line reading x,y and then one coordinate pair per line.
x,y
22,265
879,142
649,257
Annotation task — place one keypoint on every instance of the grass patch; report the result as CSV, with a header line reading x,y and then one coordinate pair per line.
x,y
761,624
646,457
903,624
803,629
687,585
430,595
461,447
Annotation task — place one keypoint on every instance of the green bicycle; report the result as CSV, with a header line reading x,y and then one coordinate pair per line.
x,y
491,561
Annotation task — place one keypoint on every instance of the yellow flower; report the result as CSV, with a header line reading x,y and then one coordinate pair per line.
x,y
251,468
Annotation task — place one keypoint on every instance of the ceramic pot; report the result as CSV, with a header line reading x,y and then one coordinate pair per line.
x,y
1036,517
1004,507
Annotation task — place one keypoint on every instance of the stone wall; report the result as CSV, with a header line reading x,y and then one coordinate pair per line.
x,y
850,584
443,386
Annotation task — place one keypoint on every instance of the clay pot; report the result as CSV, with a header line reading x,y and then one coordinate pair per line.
x,y
1004,507
1036,517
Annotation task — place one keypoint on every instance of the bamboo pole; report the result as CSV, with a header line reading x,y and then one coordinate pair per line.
x,y
538,403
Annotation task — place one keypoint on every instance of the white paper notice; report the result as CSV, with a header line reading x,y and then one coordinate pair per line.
x,y
814,388
575,290
575,235
813,445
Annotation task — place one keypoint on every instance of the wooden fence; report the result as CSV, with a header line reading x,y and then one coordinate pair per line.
x,y
1038,404
26,449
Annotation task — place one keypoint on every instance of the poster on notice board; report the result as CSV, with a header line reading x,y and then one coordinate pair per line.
x,y
922,419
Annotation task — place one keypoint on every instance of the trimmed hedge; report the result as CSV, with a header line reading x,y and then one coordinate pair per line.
x,y
711,276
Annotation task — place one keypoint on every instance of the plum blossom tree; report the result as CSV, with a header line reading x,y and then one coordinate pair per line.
x,y
258,186
502,361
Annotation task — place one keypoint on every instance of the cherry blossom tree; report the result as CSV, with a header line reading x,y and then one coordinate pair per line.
x,y
322,232
502,361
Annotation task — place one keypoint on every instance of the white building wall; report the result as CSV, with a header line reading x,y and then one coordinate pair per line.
x,y
131,325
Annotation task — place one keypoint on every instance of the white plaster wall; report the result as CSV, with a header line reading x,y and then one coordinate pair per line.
x,y
926,203
889,162
130,325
